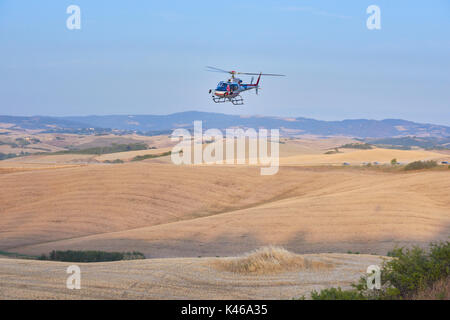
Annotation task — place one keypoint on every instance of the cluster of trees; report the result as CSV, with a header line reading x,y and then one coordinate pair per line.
x,y
81,131
24,142
11,144
406,143
151,156
113,161
20,142
91,256
107,149
363,146
417,165
4,156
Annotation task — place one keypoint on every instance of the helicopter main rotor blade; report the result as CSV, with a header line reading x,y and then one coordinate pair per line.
x,y
214,69
263,74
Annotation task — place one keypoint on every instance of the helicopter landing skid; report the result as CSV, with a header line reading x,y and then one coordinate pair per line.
x,y
219,99
237,101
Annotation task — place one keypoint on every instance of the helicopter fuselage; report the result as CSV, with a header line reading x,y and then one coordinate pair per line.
x,y
231,89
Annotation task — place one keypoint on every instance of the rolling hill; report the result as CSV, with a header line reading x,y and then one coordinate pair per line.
x,y
153,124
164,210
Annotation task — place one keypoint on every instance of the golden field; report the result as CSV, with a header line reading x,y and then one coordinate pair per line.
x,y
176,214
175,278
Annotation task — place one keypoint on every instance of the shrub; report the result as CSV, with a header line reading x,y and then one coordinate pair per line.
x,y
337,294
411,273
418,165
414,269
394,162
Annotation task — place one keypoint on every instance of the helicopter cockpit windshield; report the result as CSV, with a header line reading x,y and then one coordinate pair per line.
x,y
222,86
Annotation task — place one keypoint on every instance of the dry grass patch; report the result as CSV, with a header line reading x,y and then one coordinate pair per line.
x,y
268,260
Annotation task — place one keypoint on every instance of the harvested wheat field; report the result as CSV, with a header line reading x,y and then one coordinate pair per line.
x,y
164,210
183,278
382,156
44,205
211,232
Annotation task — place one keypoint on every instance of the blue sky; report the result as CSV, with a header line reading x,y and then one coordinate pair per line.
x,y
149,57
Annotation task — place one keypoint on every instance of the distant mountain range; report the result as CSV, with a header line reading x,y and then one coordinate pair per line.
x,y
148,124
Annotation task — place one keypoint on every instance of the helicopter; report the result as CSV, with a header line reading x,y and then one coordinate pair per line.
x,y
230,91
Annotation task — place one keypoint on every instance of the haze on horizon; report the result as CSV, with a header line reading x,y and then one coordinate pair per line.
x,y
149,58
